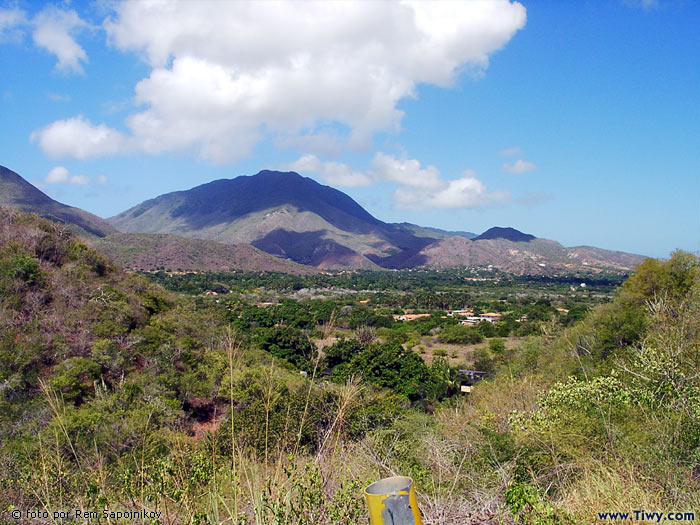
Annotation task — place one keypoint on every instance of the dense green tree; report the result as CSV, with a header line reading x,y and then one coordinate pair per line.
x,y
288,343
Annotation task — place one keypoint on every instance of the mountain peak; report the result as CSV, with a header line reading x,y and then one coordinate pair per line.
x,y
509,234
16,192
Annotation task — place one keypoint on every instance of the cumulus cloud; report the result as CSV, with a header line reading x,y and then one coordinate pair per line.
x,y
225,75
334,173
407,172
418,187
57,175
509,152
53,30
519,166
77,137
422,188
61,175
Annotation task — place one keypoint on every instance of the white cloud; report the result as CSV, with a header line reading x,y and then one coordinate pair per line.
x,y
464,192
508,152
406,172
334,173
57,175
79,179
11,22
61,175
102,179
519,166
423,188
77,137
418,187
53,31
225,75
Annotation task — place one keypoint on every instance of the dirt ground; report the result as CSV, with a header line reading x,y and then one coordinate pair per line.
x,y
456,354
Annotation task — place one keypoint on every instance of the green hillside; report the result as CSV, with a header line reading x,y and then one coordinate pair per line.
x,y
116,394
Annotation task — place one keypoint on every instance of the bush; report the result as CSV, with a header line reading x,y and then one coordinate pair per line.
x,y
290,344
483,361
460,335
342,352
74,378
391,366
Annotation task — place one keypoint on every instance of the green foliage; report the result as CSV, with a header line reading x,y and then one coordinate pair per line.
x,y
460,335
290,344
363,316
617,326
149,400
483,361
75,378
341,352
601,397
497,346
391,366
654,278
575,314
529,507
88,257
24,268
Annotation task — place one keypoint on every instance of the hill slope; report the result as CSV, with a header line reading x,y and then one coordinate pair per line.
x,y
534,256
148,251
16,192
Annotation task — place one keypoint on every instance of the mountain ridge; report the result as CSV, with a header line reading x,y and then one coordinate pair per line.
x,y
273,220
17,192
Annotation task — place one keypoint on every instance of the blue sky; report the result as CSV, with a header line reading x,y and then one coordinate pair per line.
x,y
574,121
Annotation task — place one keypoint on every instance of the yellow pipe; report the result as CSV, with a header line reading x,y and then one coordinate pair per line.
x,y
392,501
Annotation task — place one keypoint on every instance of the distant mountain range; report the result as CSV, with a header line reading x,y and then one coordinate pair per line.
x,y
283,221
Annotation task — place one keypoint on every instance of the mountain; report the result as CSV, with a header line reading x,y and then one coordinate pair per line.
x,y
148,251
282,213
296,218
432,233
281,221
534,256
509,234
15,192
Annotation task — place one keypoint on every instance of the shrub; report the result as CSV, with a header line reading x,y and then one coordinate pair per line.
x,y
290,344
460,335
74,378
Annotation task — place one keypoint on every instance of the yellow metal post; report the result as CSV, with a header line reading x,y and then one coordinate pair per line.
x,y
392,501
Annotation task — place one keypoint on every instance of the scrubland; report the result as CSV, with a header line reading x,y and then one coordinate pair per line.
x,y
118,394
